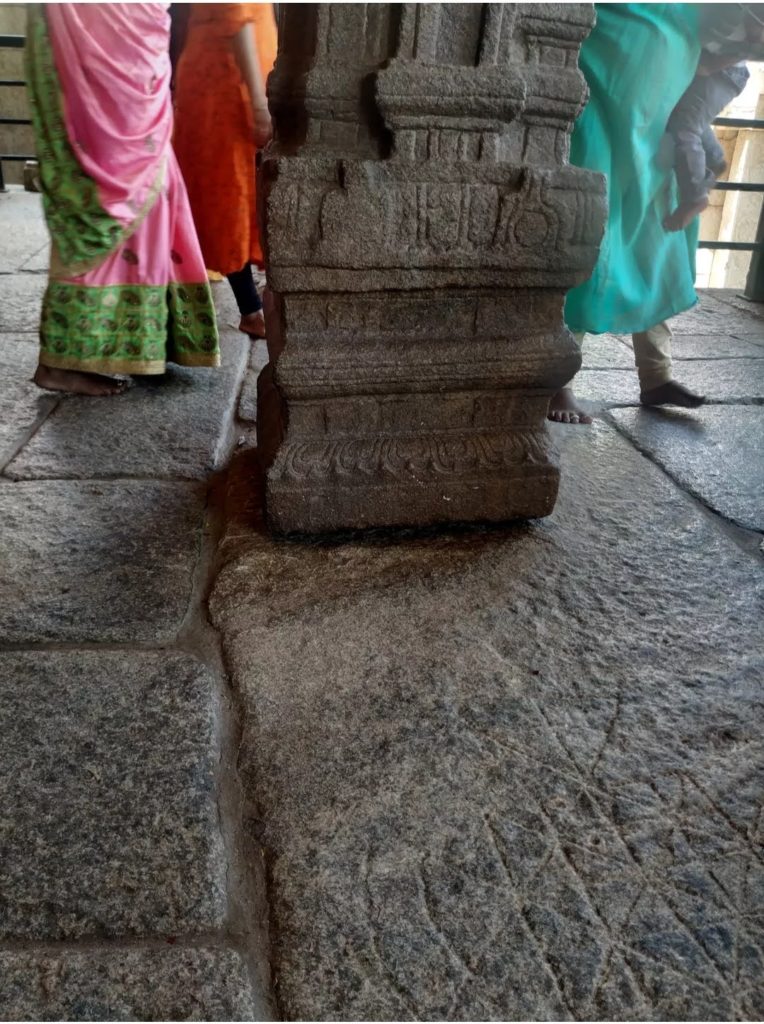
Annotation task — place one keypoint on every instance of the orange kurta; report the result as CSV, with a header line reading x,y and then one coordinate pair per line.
x,y
214,130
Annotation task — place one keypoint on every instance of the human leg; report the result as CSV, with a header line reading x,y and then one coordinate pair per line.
x,y
244,290
563,407
248,300
652,355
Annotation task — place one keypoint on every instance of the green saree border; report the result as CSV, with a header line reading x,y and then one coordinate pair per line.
x,y
108,366
83,233
128,328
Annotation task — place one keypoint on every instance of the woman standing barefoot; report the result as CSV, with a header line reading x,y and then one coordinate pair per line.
x,y
128,289
221,120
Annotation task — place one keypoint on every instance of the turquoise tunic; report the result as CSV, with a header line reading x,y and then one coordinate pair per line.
x,y
638,61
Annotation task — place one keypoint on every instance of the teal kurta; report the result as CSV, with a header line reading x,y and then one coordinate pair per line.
x,y
638,61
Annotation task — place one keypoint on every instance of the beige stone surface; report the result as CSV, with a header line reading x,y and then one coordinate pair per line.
x,y
13,100
13,19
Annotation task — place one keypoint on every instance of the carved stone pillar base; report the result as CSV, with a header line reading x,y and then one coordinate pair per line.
x,y
421,231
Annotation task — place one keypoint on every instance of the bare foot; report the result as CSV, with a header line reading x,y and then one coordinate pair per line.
x,y
563,408
75,383
684,214
672,393
253,324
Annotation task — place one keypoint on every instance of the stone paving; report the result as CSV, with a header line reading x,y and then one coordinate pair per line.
x,y
125,890
508,773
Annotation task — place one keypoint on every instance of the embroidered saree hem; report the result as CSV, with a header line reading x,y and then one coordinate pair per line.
x,y
126,366
102,365
127,328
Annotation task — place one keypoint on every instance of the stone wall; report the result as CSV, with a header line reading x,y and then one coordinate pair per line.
x,y
422,227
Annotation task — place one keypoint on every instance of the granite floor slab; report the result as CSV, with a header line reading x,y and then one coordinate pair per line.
x,y
38,262
248,400
714,452
712,346
604,389
724,380
22,228
20,304
732,381
714,316
109,822
178,426
105,561
129,984
22,404
606,350
497,773
734,298
510,774
247,411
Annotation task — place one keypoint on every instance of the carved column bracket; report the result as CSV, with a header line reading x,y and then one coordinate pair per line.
x,y
422,227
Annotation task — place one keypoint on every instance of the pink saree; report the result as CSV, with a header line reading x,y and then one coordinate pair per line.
x,y
128,288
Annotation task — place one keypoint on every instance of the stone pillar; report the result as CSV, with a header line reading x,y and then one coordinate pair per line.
x,y
422,227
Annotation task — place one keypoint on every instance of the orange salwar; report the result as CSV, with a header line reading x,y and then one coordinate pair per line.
x,y
214,130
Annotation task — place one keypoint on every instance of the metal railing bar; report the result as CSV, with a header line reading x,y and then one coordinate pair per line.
x,y
18,156
739,186
733,246
739,122
13,42
754,288
15,120
16,83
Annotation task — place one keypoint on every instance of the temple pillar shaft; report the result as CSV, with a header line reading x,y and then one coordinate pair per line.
x,y
422,227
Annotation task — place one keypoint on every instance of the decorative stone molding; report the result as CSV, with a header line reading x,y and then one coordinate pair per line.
x,y
421,227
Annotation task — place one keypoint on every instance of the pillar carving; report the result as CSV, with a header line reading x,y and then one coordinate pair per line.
x,y
421,226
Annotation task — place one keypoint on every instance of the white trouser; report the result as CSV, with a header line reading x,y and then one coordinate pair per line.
x,y
652,355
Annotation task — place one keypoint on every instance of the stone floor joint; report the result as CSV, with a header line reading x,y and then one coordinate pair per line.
x,y
735,530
